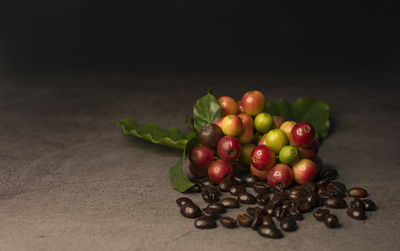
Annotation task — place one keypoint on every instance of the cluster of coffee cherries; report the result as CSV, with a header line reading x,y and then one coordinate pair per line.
x,y
274,150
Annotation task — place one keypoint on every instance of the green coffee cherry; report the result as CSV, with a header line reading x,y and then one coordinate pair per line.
x,y
263,122
289,155
276,139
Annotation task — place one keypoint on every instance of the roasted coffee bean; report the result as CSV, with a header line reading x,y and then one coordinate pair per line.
x,y
313,199
244,220
228,222
369,205
335,202
252,210
296,198
339,186
267,221
320,214
261,187
323,182
331,220
328,173
280,213
257,220
357,202
287,204
269,232
246,198
237,180
224,185
209,194
237,189
276,189
190,210
269,209
207,183
304,206
183,201
196,188
204,222
210,212
309,187
288,224
297,190
332,190
320,201
336,189
279,198
357,192
218,206
323,193
262,198
356,213
230,202
248,180
294,212
297,194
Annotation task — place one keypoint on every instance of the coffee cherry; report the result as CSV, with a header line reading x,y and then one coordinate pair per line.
x,y
287,127
280,175
245,153
231,125
201,156
309,152
210,134
278,121
228,148
218,170
263,122
262,140
253,102
262,175
262,158
198,172
219,122
276,139
304,171
240,106
302,134
228,106
288,155
246,135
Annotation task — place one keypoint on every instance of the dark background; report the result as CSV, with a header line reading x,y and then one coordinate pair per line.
x,y
198,36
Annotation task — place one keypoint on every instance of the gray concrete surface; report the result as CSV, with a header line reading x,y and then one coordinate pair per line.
x,y
69,180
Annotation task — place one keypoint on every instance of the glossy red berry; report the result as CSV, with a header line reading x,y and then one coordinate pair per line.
x,y
218,170
302,134
198,172
262,157
228,148
280,175
309,152
201,156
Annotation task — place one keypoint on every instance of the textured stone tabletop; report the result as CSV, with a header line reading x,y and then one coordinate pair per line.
x,y
69,180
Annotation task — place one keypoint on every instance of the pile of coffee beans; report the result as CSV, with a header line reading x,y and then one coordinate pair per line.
x,y
265,202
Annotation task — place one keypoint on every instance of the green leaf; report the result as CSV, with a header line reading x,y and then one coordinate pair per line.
x,y
206,110
170,137
271,109
318,114
284,109
303,109
177,176
300,107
